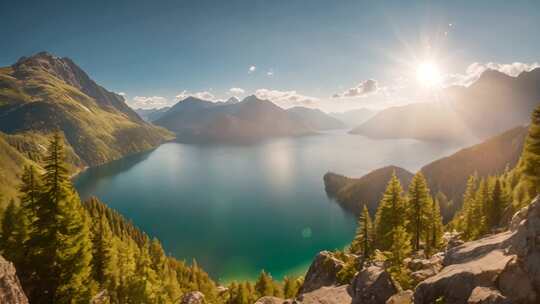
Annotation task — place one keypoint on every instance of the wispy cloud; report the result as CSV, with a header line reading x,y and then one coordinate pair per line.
x,y
143,102
252,69
364,88
286,99
270,73
205,95
236,91
474,70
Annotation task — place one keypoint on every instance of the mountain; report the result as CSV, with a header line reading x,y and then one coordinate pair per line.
x,y
354,117
250,120
152,114
316,119
43,93
492,104
353,193
447,175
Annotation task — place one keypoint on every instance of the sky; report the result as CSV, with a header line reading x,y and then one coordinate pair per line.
x,y
330,54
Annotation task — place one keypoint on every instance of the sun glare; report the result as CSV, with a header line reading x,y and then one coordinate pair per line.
x,y
428,74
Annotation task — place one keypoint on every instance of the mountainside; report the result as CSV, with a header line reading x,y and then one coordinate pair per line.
x,y
316,119
151,115
250,120
355,117
494,103
353,193
447,175
43,94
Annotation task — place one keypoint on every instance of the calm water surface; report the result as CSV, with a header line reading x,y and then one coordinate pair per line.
x,y
240,209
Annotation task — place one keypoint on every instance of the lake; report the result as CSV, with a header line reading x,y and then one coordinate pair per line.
x,y
240,209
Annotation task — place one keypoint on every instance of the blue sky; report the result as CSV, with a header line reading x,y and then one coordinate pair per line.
x,y
303,51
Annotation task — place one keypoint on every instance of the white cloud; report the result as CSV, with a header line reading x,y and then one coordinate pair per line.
x,y
252,69
205,95
149,102
236,91
474,70
122,94
270,73
364,88
286,99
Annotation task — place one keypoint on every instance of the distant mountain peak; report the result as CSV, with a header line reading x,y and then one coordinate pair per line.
x,y
232,100
252,98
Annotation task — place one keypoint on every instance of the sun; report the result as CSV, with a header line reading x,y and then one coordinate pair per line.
x,y
428,74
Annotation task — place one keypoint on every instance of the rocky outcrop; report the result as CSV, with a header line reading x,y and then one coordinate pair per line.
x,y
322,272
402,297
372,285
194,297
10,288
326,295
272,300
501,268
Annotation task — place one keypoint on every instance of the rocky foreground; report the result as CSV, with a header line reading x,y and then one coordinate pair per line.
x,y
498,269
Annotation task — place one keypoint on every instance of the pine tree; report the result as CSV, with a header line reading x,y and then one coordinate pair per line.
x,y
14,234
363,240
61,236
530,159
466,222
390,214
435,226
418,208
497,206
264,285
399,250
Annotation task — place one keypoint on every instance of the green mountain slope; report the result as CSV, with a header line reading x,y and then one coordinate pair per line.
x,y
447,175
43,94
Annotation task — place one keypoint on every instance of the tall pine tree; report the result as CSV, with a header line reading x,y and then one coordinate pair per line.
x,y
418,208
390,214
363,240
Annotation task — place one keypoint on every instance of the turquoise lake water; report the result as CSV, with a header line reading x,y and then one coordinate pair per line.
x,y
240,209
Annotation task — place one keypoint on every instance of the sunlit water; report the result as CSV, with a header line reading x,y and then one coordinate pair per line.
x,y
240,209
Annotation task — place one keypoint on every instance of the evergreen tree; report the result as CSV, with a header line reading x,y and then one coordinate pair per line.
x,y
435,227
363,240
61,238
399,250
14,234
530,158
264,285
466,222
497,206
418,208
390,214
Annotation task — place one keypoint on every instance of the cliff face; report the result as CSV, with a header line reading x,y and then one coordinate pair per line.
x,y
11,291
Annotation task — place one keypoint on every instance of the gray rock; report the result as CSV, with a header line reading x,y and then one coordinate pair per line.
x,y
486,295
402,297
474,249
10,288
456,282
271,300
194,297
322,272
372,285
326,295
514,283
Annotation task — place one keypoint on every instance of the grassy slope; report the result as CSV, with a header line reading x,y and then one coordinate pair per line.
x,y
448,175
34,104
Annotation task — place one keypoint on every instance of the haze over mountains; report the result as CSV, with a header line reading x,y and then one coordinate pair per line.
x,y
494,103
447,175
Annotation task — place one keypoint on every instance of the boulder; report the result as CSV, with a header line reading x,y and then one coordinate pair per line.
x,y
421,275
425,268
372,285
514,283
271,300
518,217
486,295
10,288
193,297
322,272
402,297
456,282
326,295
474,249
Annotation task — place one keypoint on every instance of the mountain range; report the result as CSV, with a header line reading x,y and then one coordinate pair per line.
x,y
492,104
447,175
249,120
355,117
43,94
